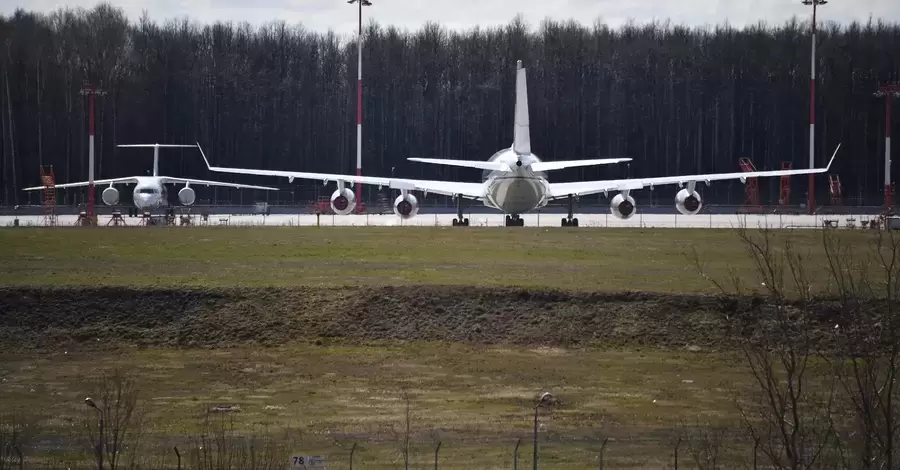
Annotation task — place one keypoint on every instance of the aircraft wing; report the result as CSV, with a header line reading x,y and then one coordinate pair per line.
x,y
447,188
125,180
170,180
581,188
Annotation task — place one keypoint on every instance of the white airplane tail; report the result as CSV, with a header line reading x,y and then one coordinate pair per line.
x,y
156,148
521,134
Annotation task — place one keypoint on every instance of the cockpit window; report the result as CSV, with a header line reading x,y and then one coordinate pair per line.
x,y
146,191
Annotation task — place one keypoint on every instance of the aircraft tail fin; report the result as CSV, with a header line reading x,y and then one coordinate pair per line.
x,y
521,134
156,148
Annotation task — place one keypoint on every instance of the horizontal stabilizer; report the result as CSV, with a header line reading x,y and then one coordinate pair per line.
x,y
155,145
547,166
495,166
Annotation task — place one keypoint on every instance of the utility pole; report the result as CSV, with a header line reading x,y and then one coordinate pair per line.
x,y
888,92
91,90
812,107
359,41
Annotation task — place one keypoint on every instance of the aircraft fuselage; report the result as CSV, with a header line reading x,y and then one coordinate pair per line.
x,y
149,193
519,191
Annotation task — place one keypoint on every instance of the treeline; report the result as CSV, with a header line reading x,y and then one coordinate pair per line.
x,y
676,99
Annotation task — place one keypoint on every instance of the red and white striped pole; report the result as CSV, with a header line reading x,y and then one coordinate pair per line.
x,y
89,90
812,108
359,41
889,92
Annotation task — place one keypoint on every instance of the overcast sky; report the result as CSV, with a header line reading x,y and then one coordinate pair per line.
x,y
337,15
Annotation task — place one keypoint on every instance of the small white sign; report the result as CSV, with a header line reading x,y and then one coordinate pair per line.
x,y
307,462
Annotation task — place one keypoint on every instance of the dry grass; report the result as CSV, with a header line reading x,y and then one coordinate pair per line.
x,y
478,398
583,259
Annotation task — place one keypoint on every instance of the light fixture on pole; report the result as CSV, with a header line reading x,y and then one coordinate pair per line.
x,y
91,90
812,106
89,402
359,40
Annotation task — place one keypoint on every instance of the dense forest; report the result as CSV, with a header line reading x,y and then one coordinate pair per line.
x,y
675,99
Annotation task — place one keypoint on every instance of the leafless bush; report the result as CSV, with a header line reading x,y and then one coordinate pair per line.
x,y
12,440
114,419
868,354
789,412
219,446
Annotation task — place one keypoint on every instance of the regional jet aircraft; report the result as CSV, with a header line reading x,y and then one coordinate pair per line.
x,y
150,191
514,180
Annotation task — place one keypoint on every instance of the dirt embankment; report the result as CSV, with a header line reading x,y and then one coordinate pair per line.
x,y
115,316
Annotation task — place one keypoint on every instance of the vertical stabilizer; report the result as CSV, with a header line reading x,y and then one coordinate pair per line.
x,y
521,137
156,160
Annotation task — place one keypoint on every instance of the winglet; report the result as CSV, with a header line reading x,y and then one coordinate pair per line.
x,y
832,157
208,167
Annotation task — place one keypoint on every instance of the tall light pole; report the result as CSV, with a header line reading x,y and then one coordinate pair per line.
x,y
89,402
812,107
889,92
359,41
91,90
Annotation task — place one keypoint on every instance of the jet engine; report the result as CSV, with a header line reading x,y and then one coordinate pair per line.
x,y
343,201
110,196
622,206
688,202
186,195
406,206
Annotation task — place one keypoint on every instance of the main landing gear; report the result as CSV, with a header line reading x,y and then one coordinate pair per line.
x,y
515,221
460,221
570,221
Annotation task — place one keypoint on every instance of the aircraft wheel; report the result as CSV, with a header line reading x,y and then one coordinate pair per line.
x,y
466,221
575,222
455,222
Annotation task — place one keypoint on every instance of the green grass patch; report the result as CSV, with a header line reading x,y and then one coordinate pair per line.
x,y
580,259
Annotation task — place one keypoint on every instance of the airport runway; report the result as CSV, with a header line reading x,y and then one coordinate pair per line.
x,y
491,220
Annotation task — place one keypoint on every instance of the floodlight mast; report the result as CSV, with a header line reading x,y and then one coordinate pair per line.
x,y
91,90
359,40
812,107
889,92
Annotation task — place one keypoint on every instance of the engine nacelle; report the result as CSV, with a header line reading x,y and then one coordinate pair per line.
x,y
687,202
406,206
343,201
110,196
622,206
187,196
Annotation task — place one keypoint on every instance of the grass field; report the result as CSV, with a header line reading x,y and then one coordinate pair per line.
x,y
478,398
579,259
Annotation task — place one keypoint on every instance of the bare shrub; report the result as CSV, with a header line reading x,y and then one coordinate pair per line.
x,y
114,402
789,411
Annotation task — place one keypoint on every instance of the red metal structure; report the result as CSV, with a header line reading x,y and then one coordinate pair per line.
x,y
785,196
752,190
48,181
834,187
888,92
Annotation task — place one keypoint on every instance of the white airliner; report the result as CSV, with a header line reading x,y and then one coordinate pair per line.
x,y
515,181
150,192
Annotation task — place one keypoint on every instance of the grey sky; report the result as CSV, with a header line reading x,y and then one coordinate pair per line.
x,y
337,15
